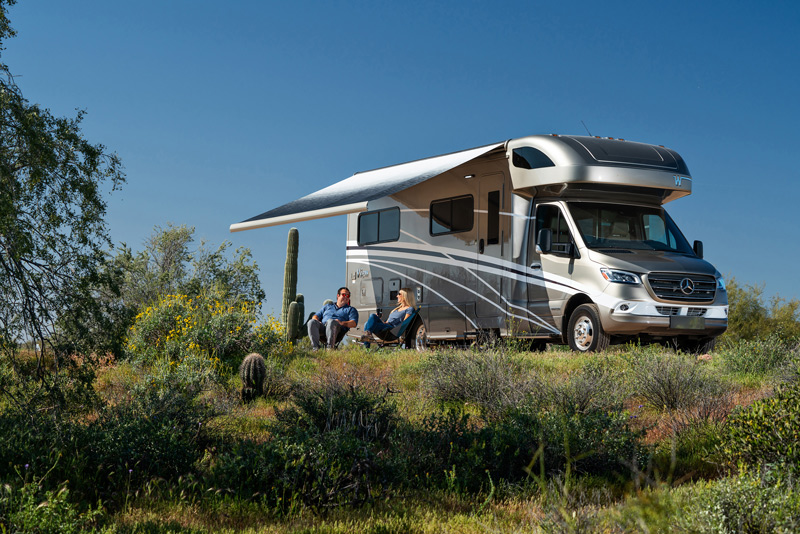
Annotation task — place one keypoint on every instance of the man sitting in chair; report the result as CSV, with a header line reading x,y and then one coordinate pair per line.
x,y
334,320
405,307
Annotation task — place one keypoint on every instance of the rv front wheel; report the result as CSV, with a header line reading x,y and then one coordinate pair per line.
x,y
586,334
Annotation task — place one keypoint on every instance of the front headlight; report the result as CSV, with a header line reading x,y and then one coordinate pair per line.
x,y
721,284
620,277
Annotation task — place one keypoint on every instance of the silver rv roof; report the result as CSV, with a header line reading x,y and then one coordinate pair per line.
x,y
535,162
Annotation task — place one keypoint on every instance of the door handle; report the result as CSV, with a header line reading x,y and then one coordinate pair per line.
x,y
536,266
480,247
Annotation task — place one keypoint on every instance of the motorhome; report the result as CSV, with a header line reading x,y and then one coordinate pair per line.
x,y
549,238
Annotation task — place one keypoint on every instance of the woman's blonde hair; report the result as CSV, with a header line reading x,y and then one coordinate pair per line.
x,y
408,296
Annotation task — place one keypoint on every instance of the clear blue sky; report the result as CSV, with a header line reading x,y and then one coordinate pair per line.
x,y
223,110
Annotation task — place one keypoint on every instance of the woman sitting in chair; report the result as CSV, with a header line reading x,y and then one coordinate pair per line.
x,y
405,307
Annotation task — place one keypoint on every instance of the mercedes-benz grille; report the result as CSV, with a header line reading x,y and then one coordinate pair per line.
x,y
683,287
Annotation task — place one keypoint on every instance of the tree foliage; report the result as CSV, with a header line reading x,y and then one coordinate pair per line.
x,y
168,265
751,316
52,231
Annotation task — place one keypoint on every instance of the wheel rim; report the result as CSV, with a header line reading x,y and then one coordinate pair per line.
x,y
421,339
583,334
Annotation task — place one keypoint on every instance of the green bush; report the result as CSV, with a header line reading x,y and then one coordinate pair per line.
x,y
758,356
346,400
179,326
670,381
31,508
768,431
448,451
597,386
330,448
493,380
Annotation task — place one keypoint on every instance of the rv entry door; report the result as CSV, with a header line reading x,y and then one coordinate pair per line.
x,y
492,231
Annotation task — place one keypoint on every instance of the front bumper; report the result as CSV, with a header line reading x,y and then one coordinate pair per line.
x,y
662,319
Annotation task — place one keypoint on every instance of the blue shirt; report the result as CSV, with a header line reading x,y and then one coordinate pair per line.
x,y
396,317
332,311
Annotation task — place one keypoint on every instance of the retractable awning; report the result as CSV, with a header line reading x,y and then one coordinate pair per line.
x,y
352,194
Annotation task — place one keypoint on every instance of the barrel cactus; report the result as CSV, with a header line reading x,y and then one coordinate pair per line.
x,y
290,273
252,372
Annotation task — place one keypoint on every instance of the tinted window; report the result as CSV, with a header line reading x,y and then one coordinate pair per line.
x,y
630,227
493,218
379,226
550,217
527,157
452,215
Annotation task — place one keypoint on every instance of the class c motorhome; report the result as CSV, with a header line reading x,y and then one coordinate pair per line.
x,y
551,238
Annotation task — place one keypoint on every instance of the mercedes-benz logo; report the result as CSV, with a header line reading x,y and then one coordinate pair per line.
x,y
687,286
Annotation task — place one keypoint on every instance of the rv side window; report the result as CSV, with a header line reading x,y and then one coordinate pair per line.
x,y
493,218
452,215
548,216
379,226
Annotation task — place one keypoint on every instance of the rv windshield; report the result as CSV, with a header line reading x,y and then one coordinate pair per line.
x,y
627,226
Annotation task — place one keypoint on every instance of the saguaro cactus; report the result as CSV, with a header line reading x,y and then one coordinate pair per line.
x,y
252,372
301,316
290,273
292,320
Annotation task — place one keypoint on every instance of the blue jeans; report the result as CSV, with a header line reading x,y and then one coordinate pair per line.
x,y
375,324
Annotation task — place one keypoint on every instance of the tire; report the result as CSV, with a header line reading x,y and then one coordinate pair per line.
x,y
584,332
420,339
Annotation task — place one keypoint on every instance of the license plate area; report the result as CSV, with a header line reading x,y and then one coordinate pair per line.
x,y
687,323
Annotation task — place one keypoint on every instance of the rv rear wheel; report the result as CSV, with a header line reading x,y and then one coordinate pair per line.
x,y
585,333
420,337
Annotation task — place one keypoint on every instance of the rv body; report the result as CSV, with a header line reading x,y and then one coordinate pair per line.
x,y
559,239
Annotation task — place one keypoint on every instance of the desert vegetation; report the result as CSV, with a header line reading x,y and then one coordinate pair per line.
x,y
146,392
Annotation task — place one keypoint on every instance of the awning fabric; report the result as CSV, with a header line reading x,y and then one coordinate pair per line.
x,y
352,194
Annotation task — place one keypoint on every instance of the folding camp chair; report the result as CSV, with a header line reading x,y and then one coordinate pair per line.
x,y
323,338
399,335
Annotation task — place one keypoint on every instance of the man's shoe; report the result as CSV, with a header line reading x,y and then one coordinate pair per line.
x,y
367,337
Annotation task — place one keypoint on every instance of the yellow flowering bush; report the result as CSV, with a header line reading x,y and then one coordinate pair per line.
x,y
179,326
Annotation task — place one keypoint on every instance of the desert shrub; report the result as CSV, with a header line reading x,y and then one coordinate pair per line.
x,y
749,502
448,451
319,471
32,508
277,382
758,356
341,400
768,431
673,381
154,433
157,435
179,326
493,380
597,386
329,448
765,501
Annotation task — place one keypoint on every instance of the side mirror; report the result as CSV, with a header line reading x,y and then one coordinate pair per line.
x,y
544,241
698,249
